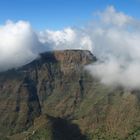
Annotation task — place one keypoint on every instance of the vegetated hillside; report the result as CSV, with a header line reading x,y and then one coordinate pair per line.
x,y
55,98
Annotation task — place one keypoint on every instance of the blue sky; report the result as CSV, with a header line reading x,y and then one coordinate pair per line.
x,y
57,14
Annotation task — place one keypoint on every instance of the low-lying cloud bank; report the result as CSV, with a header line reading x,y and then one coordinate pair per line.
x,y
114,38
18,44
116,42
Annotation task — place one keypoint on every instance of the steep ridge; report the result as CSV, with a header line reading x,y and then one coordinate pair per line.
x,y
25,91
55,98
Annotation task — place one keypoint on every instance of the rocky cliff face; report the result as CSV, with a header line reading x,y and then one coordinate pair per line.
x,y
55,98
24,92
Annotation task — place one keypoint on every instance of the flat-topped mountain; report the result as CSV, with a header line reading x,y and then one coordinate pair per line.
x,y
55,98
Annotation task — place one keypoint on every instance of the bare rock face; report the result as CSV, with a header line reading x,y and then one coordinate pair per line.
x,y
69,59
70,56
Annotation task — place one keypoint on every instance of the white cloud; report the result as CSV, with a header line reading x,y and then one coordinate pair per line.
x,y
69,38
114,38
58,37
111,16
18,44
117,47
